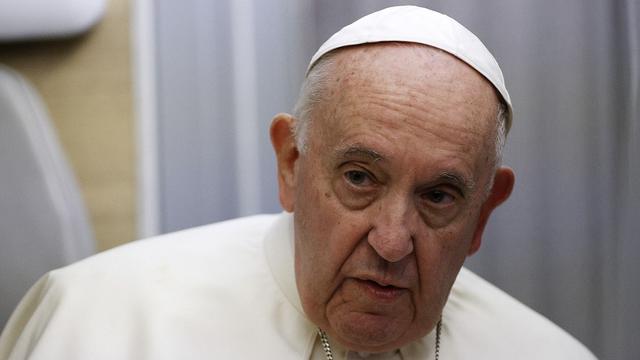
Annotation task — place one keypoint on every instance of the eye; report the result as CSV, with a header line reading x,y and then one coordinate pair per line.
x,y
438,197
358,178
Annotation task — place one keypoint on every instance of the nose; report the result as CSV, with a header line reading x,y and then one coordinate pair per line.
x,y
391,235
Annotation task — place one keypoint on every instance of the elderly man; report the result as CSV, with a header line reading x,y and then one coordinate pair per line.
x,y
388,172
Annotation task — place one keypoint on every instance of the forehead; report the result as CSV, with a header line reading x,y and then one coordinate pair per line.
x,y
407,92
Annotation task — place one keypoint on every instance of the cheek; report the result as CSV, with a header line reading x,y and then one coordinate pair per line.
x,y
320,258
326,235
439,263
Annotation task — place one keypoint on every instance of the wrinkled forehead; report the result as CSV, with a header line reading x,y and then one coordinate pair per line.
x,y
416,72
391,61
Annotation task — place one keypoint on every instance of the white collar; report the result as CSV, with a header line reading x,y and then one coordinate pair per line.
x,y
278,245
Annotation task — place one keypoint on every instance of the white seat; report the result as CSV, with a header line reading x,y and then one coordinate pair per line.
x,y
43,221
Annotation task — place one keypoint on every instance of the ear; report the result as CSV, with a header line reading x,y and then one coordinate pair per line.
x,y
286,151
502,187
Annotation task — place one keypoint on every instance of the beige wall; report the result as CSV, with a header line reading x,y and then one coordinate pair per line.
x,y
86,84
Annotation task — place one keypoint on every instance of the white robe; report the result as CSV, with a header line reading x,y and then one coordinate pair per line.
x,y
227,291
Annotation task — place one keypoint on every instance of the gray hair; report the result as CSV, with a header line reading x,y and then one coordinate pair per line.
x,y
313,92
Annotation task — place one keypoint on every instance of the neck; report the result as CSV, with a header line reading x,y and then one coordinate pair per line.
x,y
329,351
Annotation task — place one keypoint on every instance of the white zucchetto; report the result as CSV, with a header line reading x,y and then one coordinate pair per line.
x,y
423,26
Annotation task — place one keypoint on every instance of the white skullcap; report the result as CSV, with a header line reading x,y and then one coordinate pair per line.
x,y
423,26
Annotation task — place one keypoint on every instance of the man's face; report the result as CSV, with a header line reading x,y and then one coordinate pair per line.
x,y
390,196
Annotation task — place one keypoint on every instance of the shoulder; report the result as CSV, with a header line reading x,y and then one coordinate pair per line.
x,y
481,317
187,286
159,261
240,237
215,255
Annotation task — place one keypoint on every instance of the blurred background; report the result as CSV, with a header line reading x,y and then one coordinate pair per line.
x,y
125,119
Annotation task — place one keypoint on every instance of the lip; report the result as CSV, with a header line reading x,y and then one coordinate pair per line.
x,y
384,283
380,291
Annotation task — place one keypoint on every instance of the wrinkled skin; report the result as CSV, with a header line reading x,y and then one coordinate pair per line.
x,y
392,193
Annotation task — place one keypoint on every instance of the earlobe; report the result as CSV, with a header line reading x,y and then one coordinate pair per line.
x,y
500,192
286,151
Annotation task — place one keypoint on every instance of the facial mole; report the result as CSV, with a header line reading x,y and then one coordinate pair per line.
x,y
327,195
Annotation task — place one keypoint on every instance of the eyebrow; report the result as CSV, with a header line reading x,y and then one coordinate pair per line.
x,y
455,179
357,151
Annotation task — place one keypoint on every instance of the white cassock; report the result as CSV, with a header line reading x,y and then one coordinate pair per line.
x,y
227,291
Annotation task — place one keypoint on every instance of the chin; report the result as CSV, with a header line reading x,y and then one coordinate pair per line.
x,y
369,332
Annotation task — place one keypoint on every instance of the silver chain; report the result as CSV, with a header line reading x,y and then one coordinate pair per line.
x,y
329,353
438,330
325,344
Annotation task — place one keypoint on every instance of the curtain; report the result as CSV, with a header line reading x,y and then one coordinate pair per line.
x,y
568,240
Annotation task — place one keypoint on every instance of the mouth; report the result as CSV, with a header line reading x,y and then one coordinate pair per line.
x,y
381,291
